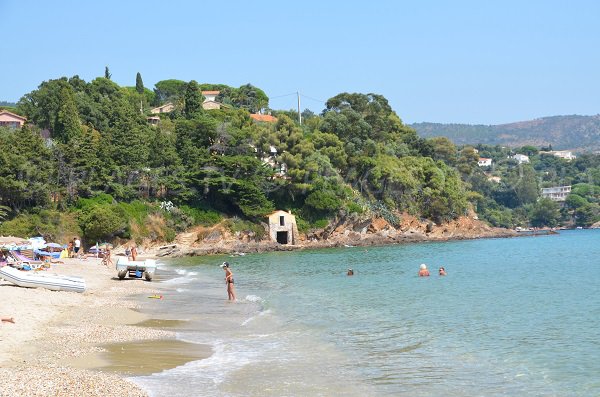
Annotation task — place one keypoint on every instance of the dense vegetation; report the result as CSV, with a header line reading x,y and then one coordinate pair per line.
x,y
562,132
105,173
508,193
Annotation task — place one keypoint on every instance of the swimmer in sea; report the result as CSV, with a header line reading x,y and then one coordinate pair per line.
x,y
350,272
423,272
229,281
442,271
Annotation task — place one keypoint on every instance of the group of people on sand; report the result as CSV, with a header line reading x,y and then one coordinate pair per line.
x,y
424,272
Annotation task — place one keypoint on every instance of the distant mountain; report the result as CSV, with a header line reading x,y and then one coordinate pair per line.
x,y
562,132
7,104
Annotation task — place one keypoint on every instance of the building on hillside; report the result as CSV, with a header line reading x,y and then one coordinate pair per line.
x,y
556,193
263,118
8,119
166,108
495,179
484,162
210,95
521,158
153,120
282,227
563,154
270,158
210,100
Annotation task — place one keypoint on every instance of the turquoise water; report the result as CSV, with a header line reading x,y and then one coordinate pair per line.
x,y
514,317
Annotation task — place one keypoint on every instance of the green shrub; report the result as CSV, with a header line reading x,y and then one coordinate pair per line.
x,y
320,223
242,226
205,217
52,225
170,235
353,207
303,226
100,199
104,222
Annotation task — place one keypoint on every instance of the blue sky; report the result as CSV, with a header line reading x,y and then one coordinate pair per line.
x,y
441,61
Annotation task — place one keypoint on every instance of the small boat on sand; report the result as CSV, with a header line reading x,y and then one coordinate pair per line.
x,y
31,279
135,269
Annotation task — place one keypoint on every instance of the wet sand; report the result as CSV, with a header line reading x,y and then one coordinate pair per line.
x,y
85,343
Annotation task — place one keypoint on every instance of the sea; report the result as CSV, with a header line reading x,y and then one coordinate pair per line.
x,y
513,317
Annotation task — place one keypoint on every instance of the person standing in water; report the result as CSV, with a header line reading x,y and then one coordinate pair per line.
x,y
423,272
229,281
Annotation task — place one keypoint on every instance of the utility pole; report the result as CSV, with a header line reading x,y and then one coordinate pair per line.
x,y
299,114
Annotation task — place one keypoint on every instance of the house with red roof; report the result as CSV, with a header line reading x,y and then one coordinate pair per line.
x,y
8,119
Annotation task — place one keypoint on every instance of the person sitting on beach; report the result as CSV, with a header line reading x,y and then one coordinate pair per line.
x,y
442,271
8,320
229,281
423,272
350,272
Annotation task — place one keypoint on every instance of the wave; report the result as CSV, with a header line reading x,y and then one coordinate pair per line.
x,y
260,314
179,280
254,298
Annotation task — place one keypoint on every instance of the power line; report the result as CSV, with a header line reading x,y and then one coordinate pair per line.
x,y
281,96
312,99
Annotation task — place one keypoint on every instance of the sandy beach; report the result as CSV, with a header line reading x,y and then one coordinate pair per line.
x,y
57,343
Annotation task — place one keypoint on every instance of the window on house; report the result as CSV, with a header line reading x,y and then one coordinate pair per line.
x,y
282,220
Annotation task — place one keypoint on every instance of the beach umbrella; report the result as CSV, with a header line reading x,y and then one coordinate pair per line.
x,y
54,245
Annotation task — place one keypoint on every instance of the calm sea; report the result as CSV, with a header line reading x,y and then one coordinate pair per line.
x,y
513,317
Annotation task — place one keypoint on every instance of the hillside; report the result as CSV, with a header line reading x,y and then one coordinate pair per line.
x,y
562,132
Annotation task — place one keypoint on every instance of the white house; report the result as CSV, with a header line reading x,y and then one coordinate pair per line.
x,y
484,162
210,100
521,158
556,193
282,227
563,154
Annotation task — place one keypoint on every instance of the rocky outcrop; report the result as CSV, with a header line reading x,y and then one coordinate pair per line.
x,y
342,231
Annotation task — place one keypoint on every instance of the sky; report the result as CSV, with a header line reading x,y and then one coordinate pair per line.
x,y
478,62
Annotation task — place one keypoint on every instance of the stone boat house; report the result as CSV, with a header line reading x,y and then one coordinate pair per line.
x,y
282,227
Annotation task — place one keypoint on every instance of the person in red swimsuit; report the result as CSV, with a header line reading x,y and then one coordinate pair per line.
x,y
423,272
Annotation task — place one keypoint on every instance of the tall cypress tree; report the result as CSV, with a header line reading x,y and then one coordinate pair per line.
x,y
192,99
68,124
139,84
107,74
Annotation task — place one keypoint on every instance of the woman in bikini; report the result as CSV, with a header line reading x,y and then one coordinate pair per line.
x,y
229,281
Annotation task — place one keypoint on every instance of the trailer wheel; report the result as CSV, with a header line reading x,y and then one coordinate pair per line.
x,y
122,274
148,276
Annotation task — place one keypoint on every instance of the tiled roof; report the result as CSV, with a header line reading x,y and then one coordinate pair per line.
x,y
12,115
267,118
210,92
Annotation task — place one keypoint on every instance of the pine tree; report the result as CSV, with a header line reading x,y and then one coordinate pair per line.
x,y
139,84
107,74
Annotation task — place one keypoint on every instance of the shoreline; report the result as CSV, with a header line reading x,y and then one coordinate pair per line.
x,y
53,348
67,336
237,246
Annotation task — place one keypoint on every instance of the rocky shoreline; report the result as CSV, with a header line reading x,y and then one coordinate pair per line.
x,y
344,232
